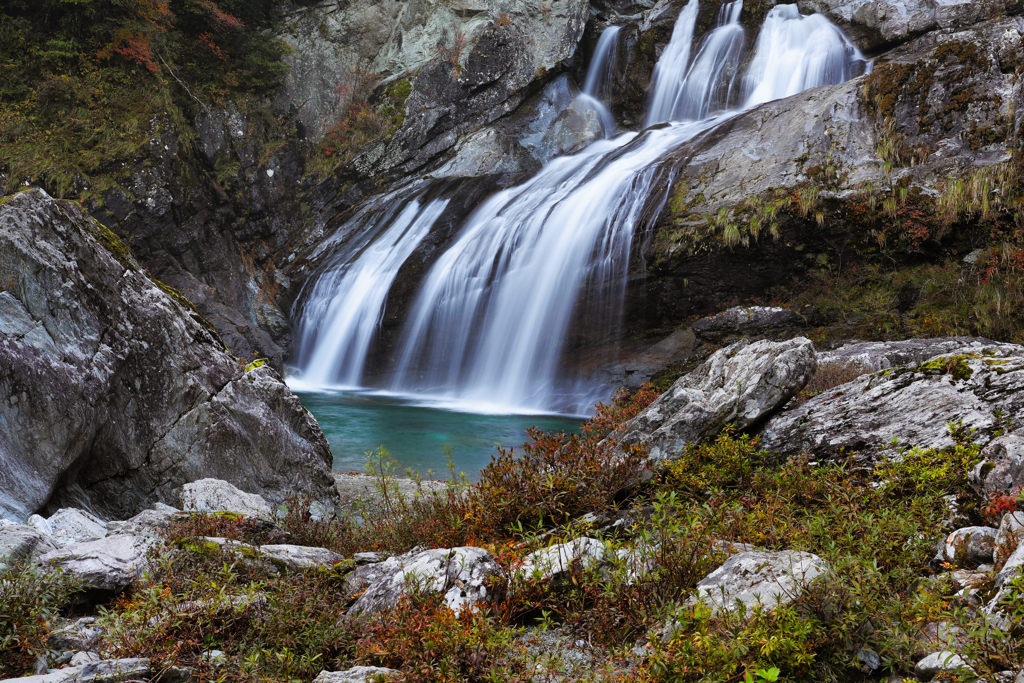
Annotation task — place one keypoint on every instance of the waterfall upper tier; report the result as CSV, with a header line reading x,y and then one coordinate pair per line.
x,y
493,313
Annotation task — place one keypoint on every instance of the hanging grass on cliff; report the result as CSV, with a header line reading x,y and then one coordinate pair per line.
x,y
86,85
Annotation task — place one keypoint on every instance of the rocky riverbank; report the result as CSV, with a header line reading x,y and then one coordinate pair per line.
x,y
735,524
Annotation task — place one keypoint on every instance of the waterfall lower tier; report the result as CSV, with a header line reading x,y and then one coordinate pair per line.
x,y
489,325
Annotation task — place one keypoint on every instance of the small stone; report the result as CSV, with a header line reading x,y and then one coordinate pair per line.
x,y
461,575
969,546
357,674
82,658
557,561
869,660
937,662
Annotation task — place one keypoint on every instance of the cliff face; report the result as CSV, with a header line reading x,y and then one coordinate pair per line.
x,y
236,207
115,391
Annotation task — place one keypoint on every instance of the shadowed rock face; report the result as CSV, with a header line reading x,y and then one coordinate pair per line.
x,y
112,393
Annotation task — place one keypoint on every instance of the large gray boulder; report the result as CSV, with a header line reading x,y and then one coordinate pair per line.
x,y
149,524
759,578
113,391
113,563
19,542
461,575
1001,469
911,404
738,385
300,556
216,495
875,356
71,525
745,320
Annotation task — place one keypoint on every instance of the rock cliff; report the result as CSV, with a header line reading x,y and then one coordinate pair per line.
x,y
115,391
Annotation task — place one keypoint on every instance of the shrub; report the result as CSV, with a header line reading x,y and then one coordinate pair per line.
x,y
30,600
829,376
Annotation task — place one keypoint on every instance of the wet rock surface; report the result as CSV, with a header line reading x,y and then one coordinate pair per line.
x,y
113,393
738,385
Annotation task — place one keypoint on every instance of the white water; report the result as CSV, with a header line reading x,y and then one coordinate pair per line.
x,y
670,71
795,53
601,66
347,303
489,323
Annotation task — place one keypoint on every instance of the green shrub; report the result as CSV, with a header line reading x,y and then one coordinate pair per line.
x,y
30,601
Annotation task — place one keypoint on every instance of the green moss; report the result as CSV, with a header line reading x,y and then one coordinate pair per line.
x,y
115,245
258,363
956,366
190,307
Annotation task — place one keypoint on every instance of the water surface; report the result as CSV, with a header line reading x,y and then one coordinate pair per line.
x,y
417,435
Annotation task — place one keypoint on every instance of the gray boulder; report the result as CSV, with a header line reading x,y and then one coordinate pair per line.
x,y
149,523
300,556
216,495
81,635
760,577
939,662
557,562
875,356
114,392
19,542
1010,534
104,671
910,404
738,385
71,525
357,674
969,546
110,564
1001,469
745,320
876,23
461,575
1013,567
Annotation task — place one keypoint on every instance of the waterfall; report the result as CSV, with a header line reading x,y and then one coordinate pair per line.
x,y
709,81
489,322
670,71
601,66
346,305
795,53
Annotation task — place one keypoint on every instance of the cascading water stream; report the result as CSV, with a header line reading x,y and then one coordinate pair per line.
x,y
795,52
598,75
488,326
347,302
